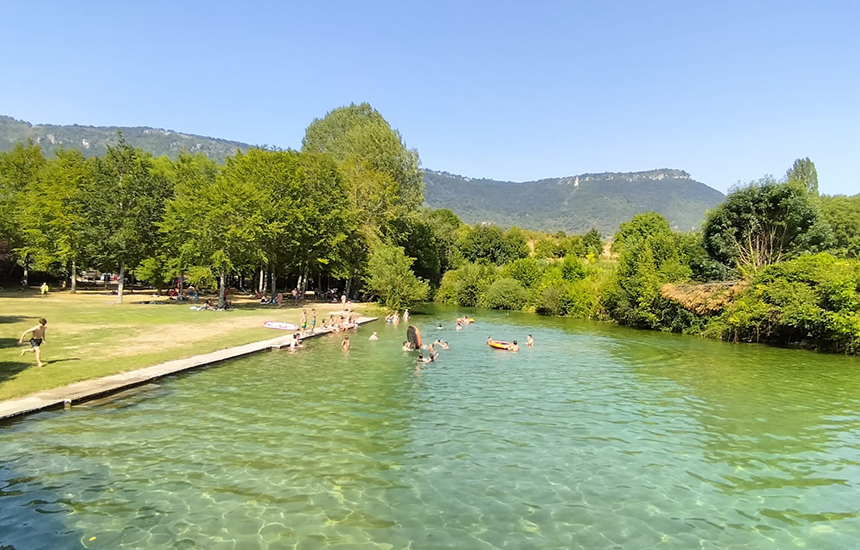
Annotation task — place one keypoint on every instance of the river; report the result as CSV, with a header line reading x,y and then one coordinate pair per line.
x,y
599,437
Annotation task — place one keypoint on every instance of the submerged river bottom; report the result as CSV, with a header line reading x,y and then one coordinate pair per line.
x,y
598,437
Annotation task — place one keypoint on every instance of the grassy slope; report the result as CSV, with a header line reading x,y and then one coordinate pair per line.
x,y
89,335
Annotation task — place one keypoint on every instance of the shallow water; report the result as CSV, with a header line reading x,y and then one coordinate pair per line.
x,y
599,437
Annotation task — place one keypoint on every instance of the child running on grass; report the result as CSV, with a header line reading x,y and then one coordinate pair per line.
x,y
37,337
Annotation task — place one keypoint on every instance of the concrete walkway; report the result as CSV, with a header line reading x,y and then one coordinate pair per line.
x,y
90,389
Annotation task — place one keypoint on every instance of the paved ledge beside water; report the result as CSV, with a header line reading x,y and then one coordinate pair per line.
x,y
90,389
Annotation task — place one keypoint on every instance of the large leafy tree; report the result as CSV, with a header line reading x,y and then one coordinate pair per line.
x,y
390,277
763,223
361,131
53,213
804,173
217,223
124,207
19,169
640,227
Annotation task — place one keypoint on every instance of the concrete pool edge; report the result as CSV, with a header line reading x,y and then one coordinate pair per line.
x,y
86,390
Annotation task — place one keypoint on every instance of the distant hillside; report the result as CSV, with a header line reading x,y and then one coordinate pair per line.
x,y
575,203
93,139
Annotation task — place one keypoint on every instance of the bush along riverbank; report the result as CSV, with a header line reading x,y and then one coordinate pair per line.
x,y
768,266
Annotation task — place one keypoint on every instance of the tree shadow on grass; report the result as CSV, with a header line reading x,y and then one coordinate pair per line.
x,y
13,318
11,369
8,343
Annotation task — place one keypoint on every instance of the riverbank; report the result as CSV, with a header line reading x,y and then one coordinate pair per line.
x,y
90,336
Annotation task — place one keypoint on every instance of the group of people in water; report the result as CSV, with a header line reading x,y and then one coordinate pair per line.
x,y
395,317
350,321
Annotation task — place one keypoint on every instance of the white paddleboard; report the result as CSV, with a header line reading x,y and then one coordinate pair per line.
x,y
280,326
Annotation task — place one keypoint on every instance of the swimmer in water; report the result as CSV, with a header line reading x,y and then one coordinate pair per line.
x,y
513,346
373,337
530,342
345,344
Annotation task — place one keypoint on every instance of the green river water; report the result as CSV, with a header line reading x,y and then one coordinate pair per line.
x,y
599,437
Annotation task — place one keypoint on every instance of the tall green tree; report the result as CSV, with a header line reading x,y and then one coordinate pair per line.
x,y
361,131
593,242
803,172
53,213
763,223
124,207
19,169
217,223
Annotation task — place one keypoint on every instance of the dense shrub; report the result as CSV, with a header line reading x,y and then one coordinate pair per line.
x,y
504,294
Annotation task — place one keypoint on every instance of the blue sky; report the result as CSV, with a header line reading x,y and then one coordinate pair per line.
x,y
729,91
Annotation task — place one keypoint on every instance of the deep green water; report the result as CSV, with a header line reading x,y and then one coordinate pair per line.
x,y
600,438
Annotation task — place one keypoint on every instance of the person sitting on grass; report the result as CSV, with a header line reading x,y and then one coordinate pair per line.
x,y
37,338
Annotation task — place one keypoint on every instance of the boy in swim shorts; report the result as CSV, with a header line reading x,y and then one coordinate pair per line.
x,y
37,337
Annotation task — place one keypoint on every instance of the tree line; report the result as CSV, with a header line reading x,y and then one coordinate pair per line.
x,y
266,214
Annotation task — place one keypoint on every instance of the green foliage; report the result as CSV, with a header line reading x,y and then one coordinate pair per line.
x,y
572,269
593,242
803,172
19,170
361,131
504,294
390,277
763,223
125,204
52,212
640,227
645,265
548,247
813,301
525,270
465,285
842,214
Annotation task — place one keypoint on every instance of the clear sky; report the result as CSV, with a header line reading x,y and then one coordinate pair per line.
x,y
728,91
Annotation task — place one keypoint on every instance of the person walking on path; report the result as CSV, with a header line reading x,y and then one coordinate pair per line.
x,y
37,337
44,289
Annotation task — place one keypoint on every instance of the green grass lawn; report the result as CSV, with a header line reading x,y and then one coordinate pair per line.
x,y
90,335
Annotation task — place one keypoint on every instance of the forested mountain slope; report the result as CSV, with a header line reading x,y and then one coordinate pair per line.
x,y
91,140
575,203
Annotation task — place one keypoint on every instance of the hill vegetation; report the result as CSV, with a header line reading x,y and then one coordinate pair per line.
x,y
576,203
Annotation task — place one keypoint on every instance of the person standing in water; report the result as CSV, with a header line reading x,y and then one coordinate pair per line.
x,y
37,337
530,342
345,344
405,315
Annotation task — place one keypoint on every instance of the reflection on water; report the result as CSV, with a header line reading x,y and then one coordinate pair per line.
x,y
599,437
